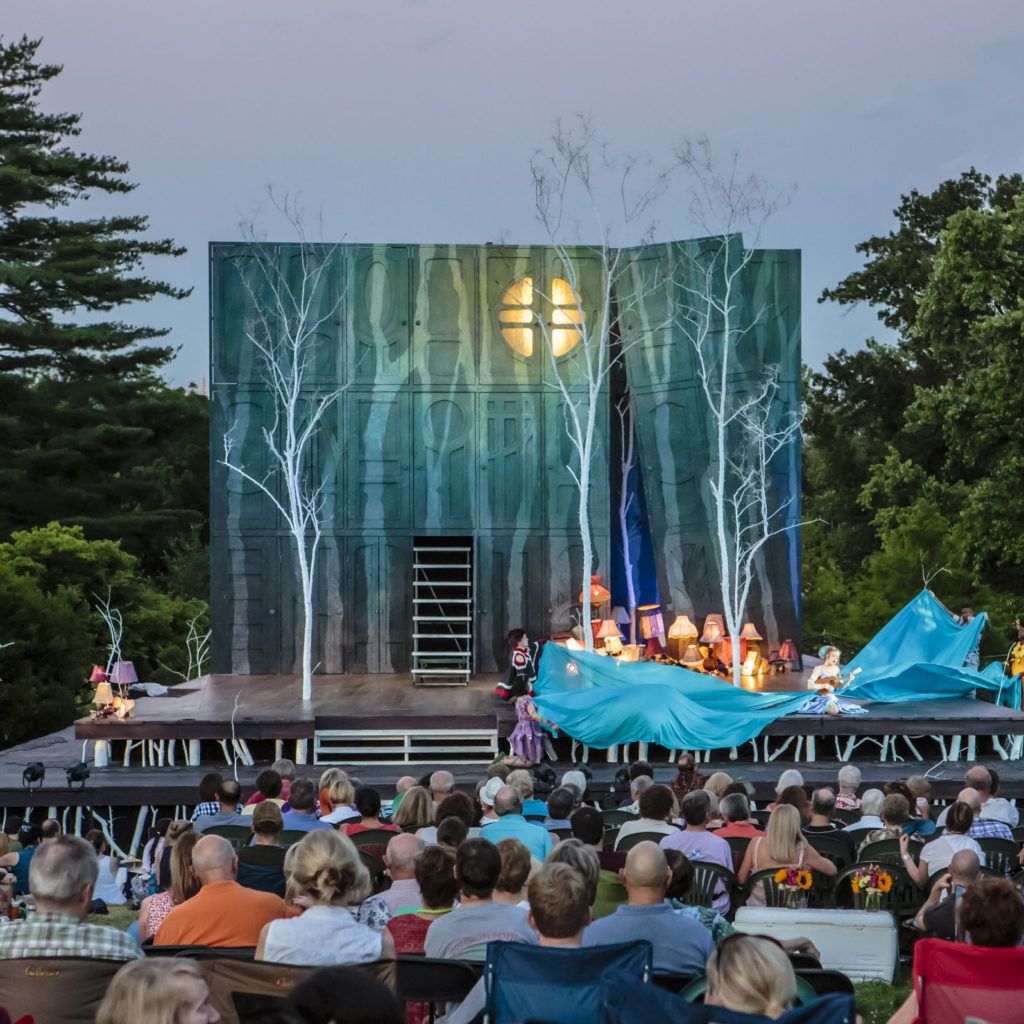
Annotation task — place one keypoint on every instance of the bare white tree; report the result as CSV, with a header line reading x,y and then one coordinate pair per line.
x,y
566,189
197,652
749,427
287,311
624,409
114,622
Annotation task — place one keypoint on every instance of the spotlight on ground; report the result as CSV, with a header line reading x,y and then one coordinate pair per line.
x,y
77,774
33,773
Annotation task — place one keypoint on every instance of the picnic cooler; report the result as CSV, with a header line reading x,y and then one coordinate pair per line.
x,y
862,944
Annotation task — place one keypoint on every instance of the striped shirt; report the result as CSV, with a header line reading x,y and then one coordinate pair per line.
x,y
210,807
46,934
989,828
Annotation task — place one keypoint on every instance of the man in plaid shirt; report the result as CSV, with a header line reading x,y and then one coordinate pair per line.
x,y
61,878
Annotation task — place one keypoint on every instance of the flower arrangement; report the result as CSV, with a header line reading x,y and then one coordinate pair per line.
x,y
793,882
873,882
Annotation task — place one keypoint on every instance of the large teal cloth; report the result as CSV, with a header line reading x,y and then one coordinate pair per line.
x,y
603,702
919,655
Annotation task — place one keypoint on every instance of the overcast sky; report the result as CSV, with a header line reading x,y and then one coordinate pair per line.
x,y
414,120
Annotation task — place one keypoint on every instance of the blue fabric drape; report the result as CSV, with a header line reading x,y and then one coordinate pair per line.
x,y
919,655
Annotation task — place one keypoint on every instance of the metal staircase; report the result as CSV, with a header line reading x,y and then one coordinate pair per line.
x,y
442,634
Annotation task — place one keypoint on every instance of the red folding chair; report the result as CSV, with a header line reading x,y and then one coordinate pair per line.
x,y
955,982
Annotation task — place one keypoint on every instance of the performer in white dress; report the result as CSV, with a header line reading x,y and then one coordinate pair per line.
x,y
826,678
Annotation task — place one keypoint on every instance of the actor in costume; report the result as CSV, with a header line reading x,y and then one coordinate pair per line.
x,y
528,739
1015,659
523,658
826,678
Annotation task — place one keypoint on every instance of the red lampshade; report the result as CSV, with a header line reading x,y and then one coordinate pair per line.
x,y
598,593
653,648
99,674
725,650
788,652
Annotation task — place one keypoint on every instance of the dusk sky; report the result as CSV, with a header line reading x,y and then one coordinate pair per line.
x,y
414,120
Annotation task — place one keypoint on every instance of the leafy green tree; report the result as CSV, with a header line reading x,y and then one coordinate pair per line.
x,y
89,433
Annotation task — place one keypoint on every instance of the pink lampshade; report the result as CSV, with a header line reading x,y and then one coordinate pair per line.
x,y
788,651
651,621
653,648
749,632
99,674
714,630
123,674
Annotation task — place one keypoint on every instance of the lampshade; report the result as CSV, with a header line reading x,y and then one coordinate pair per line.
x,y
682,626
725,651
714,630
613,644
692,657
621,615
598,593
123,674
653,648
99,674
608,629
749,632
104,695
788,651
651,621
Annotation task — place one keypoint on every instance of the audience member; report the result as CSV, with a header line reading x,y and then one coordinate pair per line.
x,y
581,858
921,790
655,811
285,767
681,945
700,844
303,801
936,855
61,879
152,851
587,824
871,804
416,810
512,825
751,974
327,778
222,913
340,795
636,787
789,777
679,886
516,864
498,770
849,779
368,805
49,830
19,862
12,826
106,887
559,808
795,796
735,812
823,803
522,782
400,863
326,876
229,793
717,784
159,991
455,805
175,831
486,795
269,786
343,995
895,816
687,777
261,863
937,916
434,869
442,784
917,826
464,933
452,832
638,768
184,885
208,802
783,846
983,828
575,780
992,807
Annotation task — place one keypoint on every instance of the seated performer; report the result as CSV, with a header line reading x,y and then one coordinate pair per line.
x,y
826,678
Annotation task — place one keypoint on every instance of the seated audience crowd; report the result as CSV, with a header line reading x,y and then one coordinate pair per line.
x,y
324,873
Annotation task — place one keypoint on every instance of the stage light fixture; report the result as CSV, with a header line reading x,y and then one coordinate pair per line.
x,y
34,772
77,775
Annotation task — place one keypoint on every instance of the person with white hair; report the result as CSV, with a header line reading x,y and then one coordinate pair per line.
x,y
790,777
441,784
61,879
636,788
870,813
575,778
849,779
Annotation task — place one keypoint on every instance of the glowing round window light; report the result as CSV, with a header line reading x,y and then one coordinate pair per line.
x,y
517,312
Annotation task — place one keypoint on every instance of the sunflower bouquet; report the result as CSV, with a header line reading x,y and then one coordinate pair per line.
x,y
793,882
873,882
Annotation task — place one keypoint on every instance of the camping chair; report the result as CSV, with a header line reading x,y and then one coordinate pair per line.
x,y
738,845
885,851
1000,855
825,982
760,818
55,990
707,878
559,986
617,817
291,836
698,988
236,835
201,952
955,982
561,833
435,982
639,837
830,848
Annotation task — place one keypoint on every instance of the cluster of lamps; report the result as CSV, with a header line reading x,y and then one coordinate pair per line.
x,y
107,703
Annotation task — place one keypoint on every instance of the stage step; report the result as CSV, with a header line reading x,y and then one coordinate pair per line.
x,y
404,746
446,626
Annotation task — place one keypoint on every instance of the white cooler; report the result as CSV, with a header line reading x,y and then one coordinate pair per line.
x,y
862,945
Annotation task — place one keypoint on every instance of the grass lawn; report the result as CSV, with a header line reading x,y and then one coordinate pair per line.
x,y
119,917
877,1001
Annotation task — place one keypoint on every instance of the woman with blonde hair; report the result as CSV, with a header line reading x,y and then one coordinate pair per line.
x,y
340,794
326,876
163,991
184,885
327,778
718,783
415,811
783,846
750,974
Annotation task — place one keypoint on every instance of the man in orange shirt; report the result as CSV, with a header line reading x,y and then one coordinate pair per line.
x,y
222,913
